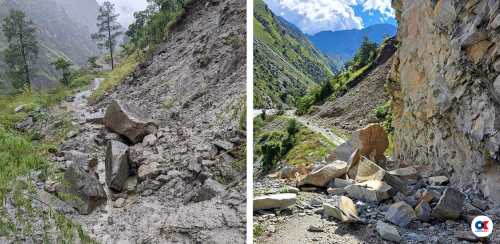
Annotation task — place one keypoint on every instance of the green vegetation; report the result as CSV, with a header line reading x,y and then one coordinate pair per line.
x,y
291,67
92,64
63,65
108,33
114,77
292,145
338,85
22,52
151,25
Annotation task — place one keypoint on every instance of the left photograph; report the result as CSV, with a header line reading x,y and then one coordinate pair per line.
x,y
123,121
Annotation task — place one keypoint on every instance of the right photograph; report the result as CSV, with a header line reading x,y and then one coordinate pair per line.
x,y
376,121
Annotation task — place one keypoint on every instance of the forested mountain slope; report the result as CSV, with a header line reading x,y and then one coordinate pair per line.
x,y
63,29
286,63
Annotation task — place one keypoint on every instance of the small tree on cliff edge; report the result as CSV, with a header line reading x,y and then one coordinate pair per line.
x,y
22,51
107,35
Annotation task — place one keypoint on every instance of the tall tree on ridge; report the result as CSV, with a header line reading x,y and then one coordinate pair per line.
x,y
23,48
108,33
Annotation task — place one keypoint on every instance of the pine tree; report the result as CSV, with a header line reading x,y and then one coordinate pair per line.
x,y
63,65
22,51
108,33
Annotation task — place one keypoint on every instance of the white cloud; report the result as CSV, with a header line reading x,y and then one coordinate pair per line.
x,y
383,6
126,9
313,16
324,14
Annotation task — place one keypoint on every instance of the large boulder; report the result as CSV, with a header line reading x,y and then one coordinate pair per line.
x,y
278,201
371,141
343,209
449,206
117,165
321,177
400,214
84,185
367,170
372,191
126,120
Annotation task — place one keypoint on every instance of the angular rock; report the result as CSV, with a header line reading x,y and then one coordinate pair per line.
x,y
405,173
367,170
372,191
210,189
449,206
70,134
388,232
408,200
223,145
371,140
96,118
338,183
400,214
321,177
423,211
437,180
82,159
401,165
148,171
117,165
84,185
19,108
119,203
430,196
278,201
335,191
468,236
343,209
24,124
291,190
126,120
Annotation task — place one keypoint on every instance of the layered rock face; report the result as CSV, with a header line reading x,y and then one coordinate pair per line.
x,y
446,90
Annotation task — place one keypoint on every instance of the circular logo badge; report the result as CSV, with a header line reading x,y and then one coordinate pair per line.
x,y
482,226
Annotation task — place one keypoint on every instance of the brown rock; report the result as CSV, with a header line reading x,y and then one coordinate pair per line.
x,y
402,165
370,140
367,170
343,209
449,206
322,176
430,196
400,214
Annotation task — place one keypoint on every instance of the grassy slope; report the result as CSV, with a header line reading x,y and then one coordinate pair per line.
x,y
287,42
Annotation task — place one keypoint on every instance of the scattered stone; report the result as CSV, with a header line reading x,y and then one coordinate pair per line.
x,y
335,191
437,180
315,229
96,118
321,177
271,229
119,203
19,108
400,197
279,201
148,171
467,236
401,165
449,206
372,191
117,165
124,119
409,173
400,214
224,145
210,189
290,189
70,135
316,202
85,186
24,124
149,140
343,209
93,162
339,183
388,232
78,157
483,205
423,211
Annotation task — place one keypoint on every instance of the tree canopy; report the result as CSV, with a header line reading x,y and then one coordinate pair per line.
x,y
108,33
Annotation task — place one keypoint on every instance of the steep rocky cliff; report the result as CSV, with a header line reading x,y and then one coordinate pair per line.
x,y
446,90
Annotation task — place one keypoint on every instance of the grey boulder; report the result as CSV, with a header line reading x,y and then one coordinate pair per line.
x,y
117,165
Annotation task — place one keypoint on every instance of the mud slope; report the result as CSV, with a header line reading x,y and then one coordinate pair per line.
x,y
352,110
193,87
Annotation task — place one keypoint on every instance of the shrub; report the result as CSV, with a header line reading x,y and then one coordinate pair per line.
x,y
381,112
271,151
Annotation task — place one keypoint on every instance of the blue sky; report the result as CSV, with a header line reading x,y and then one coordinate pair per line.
x,y
313,16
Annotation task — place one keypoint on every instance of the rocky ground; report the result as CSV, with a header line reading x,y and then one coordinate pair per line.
x,y
359,201
160,158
